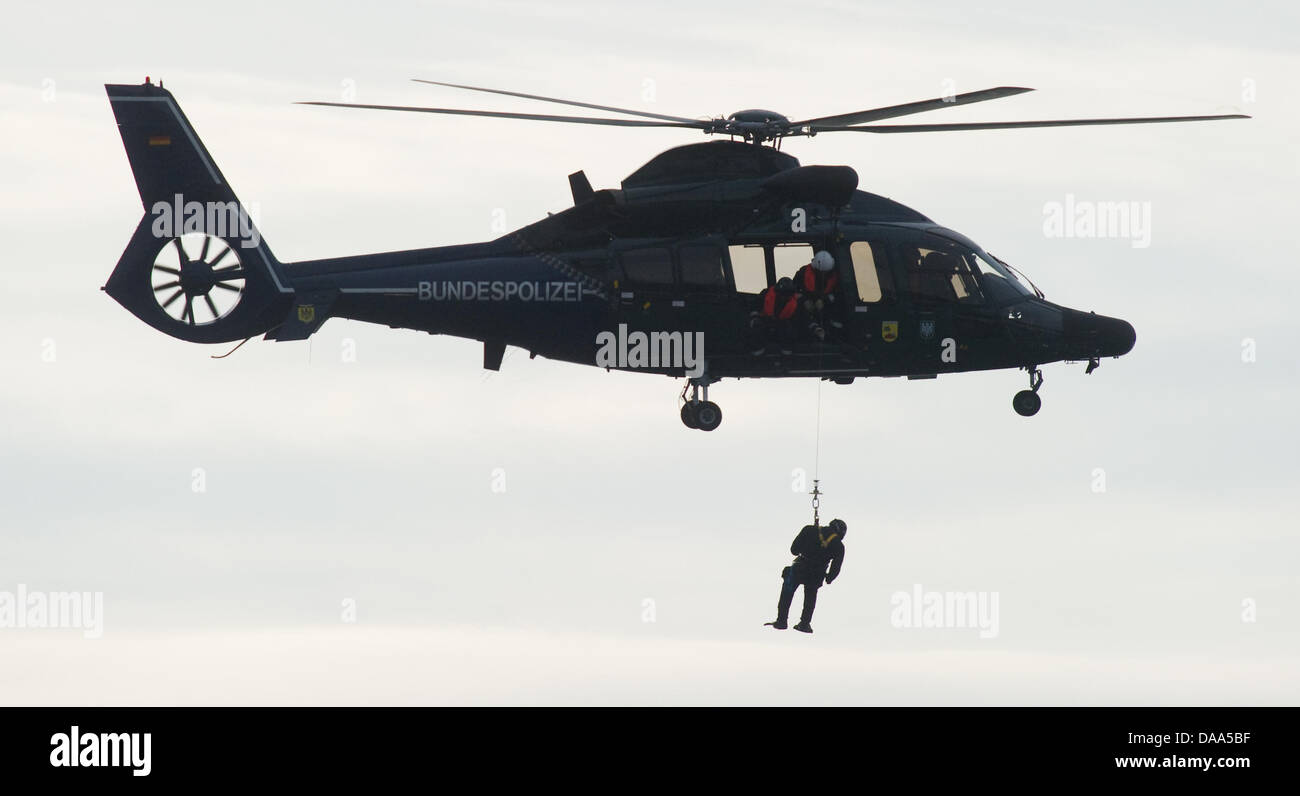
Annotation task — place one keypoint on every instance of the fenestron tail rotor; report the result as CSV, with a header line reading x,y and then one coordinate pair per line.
x,y
197,278
758,126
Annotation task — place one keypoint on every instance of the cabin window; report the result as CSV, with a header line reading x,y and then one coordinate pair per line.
x,y
648,266
748,268
702,266
790,257
870,271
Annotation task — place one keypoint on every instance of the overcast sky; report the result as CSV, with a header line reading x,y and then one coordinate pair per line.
x,y
371,481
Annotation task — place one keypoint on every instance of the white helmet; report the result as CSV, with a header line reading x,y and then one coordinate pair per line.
x,y
823,261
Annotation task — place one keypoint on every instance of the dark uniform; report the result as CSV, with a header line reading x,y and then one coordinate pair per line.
x,y
819,554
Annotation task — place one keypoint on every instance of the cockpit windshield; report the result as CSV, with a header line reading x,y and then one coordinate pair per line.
x,y
1000,284
958,274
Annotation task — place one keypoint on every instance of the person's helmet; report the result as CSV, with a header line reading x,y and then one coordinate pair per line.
x,y
840,527
785,284
823,261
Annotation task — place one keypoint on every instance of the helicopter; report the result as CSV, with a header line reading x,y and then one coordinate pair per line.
x,y
665,274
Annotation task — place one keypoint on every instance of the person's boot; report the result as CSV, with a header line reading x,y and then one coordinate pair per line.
x,y
778,624
803,627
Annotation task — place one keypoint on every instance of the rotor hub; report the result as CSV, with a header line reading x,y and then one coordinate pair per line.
x,y
757,125
196,277
757,116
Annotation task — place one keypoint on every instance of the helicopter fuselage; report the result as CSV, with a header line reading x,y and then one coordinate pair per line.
x,y
898,325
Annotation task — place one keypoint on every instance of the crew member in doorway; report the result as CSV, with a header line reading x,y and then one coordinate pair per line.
x,y
819,554
816,283
772,321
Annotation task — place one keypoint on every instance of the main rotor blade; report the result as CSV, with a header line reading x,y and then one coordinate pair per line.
x,y
574,103
875,114
935,128
699,125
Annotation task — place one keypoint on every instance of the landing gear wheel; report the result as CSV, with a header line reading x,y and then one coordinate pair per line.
x,y
708,416
688,415
698,411
1026,403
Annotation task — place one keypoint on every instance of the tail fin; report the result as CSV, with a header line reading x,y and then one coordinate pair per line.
x,y
196,268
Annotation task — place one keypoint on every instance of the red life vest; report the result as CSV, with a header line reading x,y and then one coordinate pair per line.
x,y
781,309
816,282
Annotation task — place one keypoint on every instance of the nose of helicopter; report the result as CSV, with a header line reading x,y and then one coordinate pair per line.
x,y
1093,335
1120,338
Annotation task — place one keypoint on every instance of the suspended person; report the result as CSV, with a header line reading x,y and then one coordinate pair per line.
x,y
773,320
816,283
819,554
